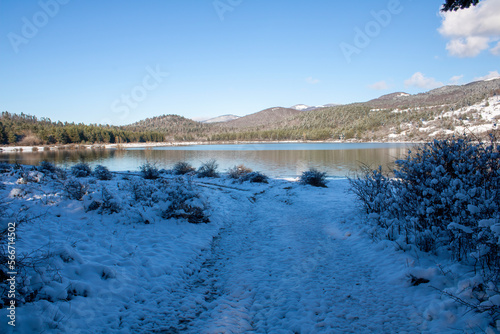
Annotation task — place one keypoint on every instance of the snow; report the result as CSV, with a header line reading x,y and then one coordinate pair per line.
x,y
300,107
220,119
274,258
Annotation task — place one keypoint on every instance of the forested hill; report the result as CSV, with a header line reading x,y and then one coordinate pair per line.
x,y
28,130
271,117
173,127
392,117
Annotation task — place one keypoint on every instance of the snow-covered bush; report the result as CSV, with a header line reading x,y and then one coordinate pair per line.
x,y
102,173
5,167
103,201
75,189
32,176
51,170
182,201
109,204
244,174
208,169
444,195
372,189
141,190
238,171
81,169
313,177
46,167
149,171
182,167
255,177
4,255
33,269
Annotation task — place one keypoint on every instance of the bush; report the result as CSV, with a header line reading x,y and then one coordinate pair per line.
x,y
183,202
75,189
5,167
181,168
255,177
445,195
30,177
33,269
208,169
149,171
102,173
371,189
109,204
238,171
314,178
46,166
141,190
81,169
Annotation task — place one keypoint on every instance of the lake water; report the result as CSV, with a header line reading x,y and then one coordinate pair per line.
x,y
274,159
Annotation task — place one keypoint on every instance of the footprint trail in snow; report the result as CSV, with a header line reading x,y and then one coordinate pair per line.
x,y
282,265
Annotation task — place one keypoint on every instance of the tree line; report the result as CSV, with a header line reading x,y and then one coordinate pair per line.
x,y
26,129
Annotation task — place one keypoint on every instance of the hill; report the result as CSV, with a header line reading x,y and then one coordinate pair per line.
x,y
268,117
174,127
393,117
28,130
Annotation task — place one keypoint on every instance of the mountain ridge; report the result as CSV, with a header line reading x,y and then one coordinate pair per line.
x,y
398,116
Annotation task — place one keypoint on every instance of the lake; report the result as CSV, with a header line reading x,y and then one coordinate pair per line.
x,y
284,160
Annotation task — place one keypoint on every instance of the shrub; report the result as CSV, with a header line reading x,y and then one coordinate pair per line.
x,y
208,169
255,177
60,174
47,167
109,204
141,190
75,189
149,171
5,167
444,195
81,169
372,189
183,202
4,260
238,171
28,265
102,173
182,167
314,178
30,177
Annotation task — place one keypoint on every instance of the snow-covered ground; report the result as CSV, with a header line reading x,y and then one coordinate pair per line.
x,y
275,258
477,118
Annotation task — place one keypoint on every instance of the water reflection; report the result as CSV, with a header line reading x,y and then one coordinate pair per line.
x,y
279,160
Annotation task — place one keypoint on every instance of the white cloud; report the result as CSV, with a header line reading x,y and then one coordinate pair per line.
x,y
472,30
496,50
380,85
312,81
491,75
467,47
419,80
456,79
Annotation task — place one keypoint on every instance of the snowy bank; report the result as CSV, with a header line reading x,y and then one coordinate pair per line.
x,y
120,256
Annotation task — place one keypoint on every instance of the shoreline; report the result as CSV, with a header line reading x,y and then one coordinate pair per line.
x,y
149,145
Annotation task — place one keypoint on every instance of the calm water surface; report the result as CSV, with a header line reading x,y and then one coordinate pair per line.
x,y
275,160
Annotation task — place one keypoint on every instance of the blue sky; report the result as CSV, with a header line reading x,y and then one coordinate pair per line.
x,y
121,61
